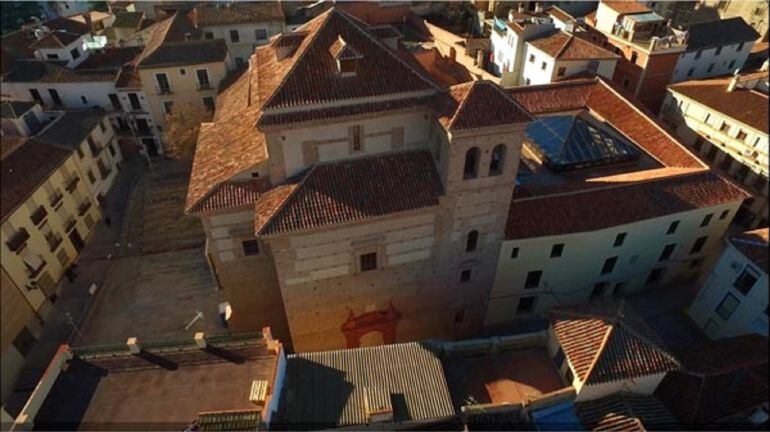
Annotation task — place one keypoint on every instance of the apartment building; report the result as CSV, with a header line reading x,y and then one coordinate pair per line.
x,y
243,25
715,48
559,55
754,12
588,223
733,300
308,203
506,43
48,214
177,68
649,49
724,121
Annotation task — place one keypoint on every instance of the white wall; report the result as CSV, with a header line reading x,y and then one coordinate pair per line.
x,y
569,279
65,53
247,37
533,70
644,385
605,18
749,316
95,92
728,60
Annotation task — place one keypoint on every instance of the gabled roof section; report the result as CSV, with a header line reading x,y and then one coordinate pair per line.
x,y
309,76
15,109
478,104
565,46
753,244
625,412
351,190
175,41
721,32
237,13
55,39
626,6
609,343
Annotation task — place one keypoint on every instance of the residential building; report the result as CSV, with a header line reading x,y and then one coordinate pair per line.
x,y
559,55
177,68
733,300
243,25
724,121
129,29
506,44
147,385
65,8
721,385
649,49
586,224
715,48
753,12
679,13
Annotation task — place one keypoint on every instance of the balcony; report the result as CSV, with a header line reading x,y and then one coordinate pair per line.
x,y
33,273
83,208
69,224
72,184
38,215
96,150
18,240
204,86
53,240
56,198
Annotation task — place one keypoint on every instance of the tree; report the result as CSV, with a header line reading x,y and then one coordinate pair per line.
x,y
181,132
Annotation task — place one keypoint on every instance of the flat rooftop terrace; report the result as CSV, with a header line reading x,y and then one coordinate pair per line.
x,y
505,378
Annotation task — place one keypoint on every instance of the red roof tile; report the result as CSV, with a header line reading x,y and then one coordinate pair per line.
x,y
718,380
617,204
627,6
325,114
232,194
753,244
478,104
605,344
351,190
565,46
237,13
625,412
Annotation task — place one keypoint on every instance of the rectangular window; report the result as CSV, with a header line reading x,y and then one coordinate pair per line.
x,y
24,341
724,214
543,65
698,54
706,220
356,138
672,228
741,135
727,306
368,261
208,102
690,72
617,290
619,239
598,290
514,253
655,276
710,68
36,95
114,101
561,71
55,97
746,280
163,84
557,250
133,98
531,58
208,35
465,275
260,34
250,247
533,279
718,51
167,107
698,245
609,265
696,263
75,53
52,56
740,46
667,252
91,177
724,128
183,71
203,79
234,37
526,305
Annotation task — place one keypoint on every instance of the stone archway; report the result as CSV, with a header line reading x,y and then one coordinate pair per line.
x,y
374,324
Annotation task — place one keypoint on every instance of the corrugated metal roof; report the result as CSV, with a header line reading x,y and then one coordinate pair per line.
x,y
327,389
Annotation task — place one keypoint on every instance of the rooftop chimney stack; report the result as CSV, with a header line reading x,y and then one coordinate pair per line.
x,y
133,345
200,340
538,7
521,8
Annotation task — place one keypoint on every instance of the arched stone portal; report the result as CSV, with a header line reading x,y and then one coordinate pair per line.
x,y
377,326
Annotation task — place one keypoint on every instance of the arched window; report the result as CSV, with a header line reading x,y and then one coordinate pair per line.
x,y
471,164
472,241
497,160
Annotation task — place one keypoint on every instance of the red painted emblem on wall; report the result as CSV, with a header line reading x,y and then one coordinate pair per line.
x,y
382,321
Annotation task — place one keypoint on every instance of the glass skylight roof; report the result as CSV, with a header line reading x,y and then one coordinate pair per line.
x,y
569,142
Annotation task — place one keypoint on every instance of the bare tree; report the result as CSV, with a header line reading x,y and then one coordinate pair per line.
x,y
181,132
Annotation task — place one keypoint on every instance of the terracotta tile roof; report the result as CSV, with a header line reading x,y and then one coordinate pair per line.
x,y
609,343
600,98
559,13
564,46
718,379
310,76
355,190
746,106
478,104
110,58
753,244
237,13
721,32
625,412
25,169
325,114
55,39
621,203
232,194
51,72
168,45
384,32
626,6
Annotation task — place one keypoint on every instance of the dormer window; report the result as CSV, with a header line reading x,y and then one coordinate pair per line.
x,y
346,56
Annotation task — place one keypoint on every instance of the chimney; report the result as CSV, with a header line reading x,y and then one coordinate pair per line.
x,y
733,81
200,340
133,345
538,7
89,22
521,8
188,37
377,405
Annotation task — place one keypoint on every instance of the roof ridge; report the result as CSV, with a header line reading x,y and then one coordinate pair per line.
x,y
300,55
599,352
509,97
467,96
288,197
564,46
